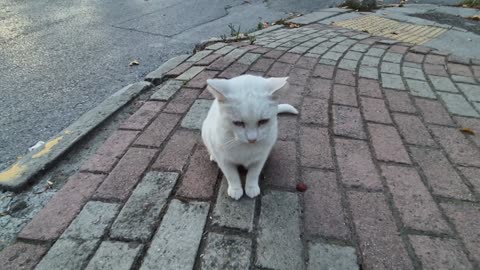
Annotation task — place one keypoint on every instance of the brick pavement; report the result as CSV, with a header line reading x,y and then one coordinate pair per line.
x,y
392,182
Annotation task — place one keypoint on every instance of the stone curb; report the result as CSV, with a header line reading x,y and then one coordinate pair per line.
x,y
21,172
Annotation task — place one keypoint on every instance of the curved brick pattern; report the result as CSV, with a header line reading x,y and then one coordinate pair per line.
x,y
412,199
226,252
365,105
467,222
278,242
22,256
176,242
377,233
52,220
323,211
437,253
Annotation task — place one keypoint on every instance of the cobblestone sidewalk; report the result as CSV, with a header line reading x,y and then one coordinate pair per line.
x,y
392,182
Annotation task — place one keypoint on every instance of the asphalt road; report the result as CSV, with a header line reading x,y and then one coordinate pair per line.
x,y
60,58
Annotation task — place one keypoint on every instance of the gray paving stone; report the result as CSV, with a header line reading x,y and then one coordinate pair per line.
x,y
137,219
392,81
348,42
318,50
411,64
360,47
375,52
332,55
216,46
360,36
392,57
326,256
338,39
371,61
231,213
226,252
465,79
197,113
314,55
368,72
114,256
224,49
390,68
68,254
471,91
278,242
167,90
413,73
443,84
420,89
348,64
199,56
93,221
353,55
190,73
457,104
248,58
299,49
176,242
339,48
327,62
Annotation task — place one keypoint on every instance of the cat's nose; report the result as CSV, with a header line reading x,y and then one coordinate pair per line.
x,y
252,140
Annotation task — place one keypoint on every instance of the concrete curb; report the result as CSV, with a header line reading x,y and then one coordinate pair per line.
x,y
25,169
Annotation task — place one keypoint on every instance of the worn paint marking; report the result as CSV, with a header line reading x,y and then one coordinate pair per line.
x,y
48,147
11,173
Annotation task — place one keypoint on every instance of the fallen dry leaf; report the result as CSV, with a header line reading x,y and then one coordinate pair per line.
x,y
265,25
474,17
468,131
293,25
134,63
365,31
394,33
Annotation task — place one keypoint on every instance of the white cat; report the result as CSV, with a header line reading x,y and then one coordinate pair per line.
x,y
241,127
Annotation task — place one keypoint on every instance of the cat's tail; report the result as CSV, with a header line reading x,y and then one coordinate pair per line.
x,y
287,108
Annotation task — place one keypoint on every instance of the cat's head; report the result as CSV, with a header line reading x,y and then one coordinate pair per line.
x,y
247,105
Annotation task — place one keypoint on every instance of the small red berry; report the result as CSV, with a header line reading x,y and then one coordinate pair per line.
x,y
301,187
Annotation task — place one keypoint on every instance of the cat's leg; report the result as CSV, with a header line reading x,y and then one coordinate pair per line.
x,y
230,171
251,184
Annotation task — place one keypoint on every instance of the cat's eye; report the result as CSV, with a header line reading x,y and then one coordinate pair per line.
x,y
263,122
239,123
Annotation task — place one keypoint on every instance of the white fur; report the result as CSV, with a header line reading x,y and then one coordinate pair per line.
x,y
247,99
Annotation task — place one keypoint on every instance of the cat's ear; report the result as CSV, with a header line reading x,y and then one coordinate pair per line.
x,y
218,88
275,84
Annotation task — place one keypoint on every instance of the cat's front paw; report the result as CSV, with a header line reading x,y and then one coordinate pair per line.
x,y
235,193
252,191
